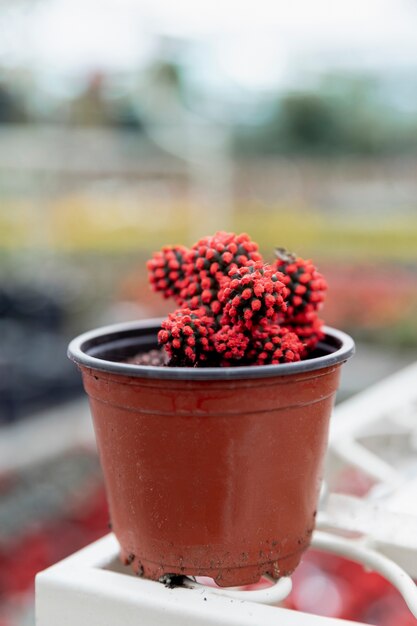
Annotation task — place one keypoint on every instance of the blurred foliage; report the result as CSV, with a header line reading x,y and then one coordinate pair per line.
x,y
308,122
80,222
11,108
340,115
334,113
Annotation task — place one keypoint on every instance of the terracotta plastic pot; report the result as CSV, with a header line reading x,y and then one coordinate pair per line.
x,y
209,472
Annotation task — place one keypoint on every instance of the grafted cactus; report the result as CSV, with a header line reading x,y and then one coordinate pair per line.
x,y
186,335
308,327
166,271
254,292
231,343
209,261
306,286
237,309
272,344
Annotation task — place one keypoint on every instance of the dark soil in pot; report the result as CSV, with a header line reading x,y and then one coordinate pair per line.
x,y
155,357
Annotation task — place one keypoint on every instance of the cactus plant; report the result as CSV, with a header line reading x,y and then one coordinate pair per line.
x,y
190,448
307,287
186,336
209,261
231,342
308,327
166,270
237,309
272,344
252,293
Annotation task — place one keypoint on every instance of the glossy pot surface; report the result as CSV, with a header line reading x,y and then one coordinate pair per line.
x,y
209,476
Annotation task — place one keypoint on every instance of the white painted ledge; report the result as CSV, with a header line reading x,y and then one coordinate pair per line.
x,y
91,588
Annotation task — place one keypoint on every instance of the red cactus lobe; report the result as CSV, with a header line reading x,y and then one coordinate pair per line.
x,y
307,287
231,342
272,344
166,271
201,290
186,336
222,250
254,292
308,327
209,262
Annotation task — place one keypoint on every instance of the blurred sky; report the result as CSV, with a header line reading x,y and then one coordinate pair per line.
x,y
257,43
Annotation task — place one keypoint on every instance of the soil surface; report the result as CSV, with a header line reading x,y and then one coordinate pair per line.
x,y
156,357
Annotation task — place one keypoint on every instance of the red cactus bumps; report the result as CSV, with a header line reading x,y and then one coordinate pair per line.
x,y
166,271
272,344
186,335
308,327
200,290
253,293
209,261
219,252
307,291
307,287
231,344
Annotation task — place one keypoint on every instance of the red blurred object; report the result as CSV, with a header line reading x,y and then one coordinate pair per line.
x,y
352,481
33,542
381,296
329,585
21,560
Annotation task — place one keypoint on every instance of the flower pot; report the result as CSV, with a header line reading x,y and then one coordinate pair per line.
x,y
209,471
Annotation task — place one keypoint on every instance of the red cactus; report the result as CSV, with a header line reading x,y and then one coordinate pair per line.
x,y
307,287
209,261
237,309
231,343
272,344
186,335
253,293
308,327
220,252
166,271
201,290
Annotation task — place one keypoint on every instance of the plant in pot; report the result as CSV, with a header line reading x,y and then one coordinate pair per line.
x,y
212,424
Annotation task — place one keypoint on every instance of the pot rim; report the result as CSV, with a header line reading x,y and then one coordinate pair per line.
x,y
340,347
